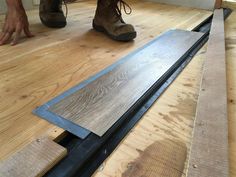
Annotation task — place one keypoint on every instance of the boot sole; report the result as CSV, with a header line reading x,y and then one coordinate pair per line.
x,y
122,37
54,24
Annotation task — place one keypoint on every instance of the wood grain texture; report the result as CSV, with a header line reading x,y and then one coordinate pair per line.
x,y
33,160
229,4
101,103
53,61
209,151
172,115
230,30
166,151
167,125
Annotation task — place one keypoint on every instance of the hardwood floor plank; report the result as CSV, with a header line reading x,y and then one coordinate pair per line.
x,y
98,105
209,151
33,160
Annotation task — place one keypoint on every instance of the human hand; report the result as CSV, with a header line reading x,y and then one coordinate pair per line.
x,y
16,21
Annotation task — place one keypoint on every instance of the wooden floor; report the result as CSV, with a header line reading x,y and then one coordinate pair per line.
x,y
57,59
230,28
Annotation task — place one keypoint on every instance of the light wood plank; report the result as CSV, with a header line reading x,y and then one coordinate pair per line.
x,y
98,105
33,160
230,31
209,151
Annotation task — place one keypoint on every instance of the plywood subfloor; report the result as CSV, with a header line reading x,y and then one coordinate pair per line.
x,y
57,59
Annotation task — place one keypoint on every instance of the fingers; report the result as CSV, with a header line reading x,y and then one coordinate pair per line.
x,y
5,35
3,32
1,35
27,32
5,38
16,21
17,35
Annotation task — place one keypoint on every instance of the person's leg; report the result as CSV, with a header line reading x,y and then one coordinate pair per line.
x,y
108,19
51,14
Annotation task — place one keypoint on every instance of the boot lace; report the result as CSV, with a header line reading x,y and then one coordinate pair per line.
x,y
65,4
57,6
118,5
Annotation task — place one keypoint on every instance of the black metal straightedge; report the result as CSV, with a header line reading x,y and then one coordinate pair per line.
x,y
85,156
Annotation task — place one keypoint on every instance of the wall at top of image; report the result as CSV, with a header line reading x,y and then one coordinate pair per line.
x,y
201,4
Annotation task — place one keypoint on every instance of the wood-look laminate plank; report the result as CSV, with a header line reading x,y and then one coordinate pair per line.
x,y
98,105
33,160
209,151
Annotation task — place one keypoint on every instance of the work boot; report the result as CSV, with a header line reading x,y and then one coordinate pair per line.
x,y
51,14
108,19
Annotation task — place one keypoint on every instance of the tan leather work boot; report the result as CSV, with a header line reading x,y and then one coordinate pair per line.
x,y
108,20
51,14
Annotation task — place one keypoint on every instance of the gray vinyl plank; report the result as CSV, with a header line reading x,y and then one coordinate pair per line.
x,y
98,105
